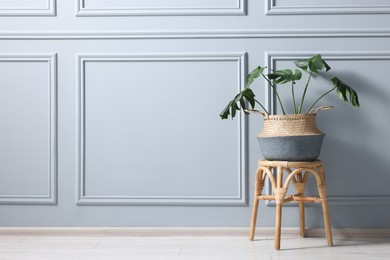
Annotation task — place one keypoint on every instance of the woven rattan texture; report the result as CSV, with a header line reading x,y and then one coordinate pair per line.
x,y
290,125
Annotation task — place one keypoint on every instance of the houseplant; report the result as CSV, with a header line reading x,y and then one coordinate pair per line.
x,y
290,137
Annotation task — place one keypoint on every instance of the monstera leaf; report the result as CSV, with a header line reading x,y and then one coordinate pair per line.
x,y
345,92
285,76
257,72
241,98
314,64
245,96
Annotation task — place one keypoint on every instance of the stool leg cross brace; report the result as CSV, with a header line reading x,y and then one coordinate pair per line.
x,y
299,178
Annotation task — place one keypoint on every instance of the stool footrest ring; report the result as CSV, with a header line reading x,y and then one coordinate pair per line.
x,y
289,198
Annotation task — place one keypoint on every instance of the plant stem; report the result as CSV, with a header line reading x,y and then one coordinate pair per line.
x,y
276,93
323,95
265,110
293,97
304,92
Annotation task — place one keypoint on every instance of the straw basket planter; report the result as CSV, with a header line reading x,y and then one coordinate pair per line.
x,y
293,137
289,137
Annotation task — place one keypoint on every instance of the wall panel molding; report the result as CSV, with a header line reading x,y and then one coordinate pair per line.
x,y
297,8
271,59
84,199
195,34
48,9
51,197
239,8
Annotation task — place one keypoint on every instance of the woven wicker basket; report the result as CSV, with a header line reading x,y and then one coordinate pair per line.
x,y
294,137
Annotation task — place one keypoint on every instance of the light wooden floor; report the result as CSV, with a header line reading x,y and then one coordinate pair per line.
x,y
188,244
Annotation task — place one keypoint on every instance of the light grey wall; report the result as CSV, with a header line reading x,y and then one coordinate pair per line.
x,y
109,109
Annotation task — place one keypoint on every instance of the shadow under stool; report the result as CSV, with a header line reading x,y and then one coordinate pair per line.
x,y
297,174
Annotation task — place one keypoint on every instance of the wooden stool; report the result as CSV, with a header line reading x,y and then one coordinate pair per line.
x,y
297,173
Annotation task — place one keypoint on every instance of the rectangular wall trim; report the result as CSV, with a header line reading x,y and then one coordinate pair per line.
x,y
196,34
51,197
238,9
271,58
49,9
272,8
83,199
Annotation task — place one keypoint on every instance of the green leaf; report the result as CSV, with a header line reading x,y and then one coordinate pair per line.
x,y
314,64
284,76
345,92
238,97
297,75
241,99
226,111
234,110
339,94
253,75
303,64
242,102
250,96
354,99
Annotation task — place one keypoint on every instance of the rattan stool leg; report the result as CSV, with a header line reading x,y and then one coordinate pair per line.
x,y
302,218
324,202
325,212
279,197
278,225
259,184
328,228
254,218
299,186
